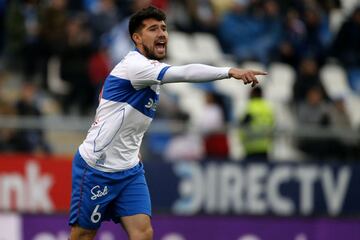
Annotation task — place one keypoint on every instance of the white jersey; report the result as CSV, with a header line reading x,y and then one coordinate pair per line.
x,y
127,106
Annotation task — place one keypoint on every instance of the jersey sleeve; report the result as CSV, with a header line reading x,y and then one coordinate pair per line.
x,y
195,73
145,72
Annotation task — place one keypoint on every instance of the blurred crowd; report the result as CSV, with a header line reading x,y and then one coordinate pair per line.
x,y
81,40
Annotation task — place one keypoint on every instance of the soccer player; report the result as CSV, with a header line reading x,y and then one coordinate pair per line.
x,y
108,180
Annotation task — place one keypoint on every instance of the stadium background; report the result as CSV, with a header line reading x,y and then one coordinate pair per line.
x,y
205,184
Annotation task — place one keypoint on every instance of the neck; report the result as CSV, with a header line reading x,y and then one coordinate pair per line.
x,y
140,49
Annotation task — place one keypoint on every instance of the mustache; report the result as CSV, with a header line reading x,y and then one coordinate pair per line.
x,y
160,39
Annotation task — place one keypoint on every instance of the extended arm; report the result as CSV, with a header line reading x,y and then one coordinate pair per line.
x,y
206,73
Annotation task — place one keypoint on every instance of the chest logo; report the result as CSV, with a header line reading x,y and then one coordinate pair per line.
x,y
151,104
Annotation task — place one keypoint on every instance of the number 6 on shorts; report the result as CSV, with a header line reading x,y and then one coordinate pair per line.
x,y
95,216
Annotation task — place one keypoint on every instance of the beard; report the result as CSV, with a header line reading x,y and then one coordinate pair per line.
x,y
152,55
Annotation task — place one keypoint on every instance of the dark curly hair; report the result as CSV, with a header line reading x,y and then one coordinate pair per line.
x,y
136,20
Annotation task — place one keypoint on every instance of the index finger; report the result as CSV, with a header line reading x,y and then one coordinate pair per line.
x,y
256,72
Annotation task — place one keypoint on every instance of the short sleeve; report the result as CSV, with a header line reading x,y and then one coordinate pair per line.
x,y
143,72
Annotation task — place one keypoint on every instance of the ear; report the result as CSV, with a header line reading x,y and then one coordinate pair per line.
x,y
137,38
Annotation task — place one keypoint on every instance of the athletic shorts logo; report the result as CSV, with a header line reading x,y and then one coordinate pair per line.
x,y
97,192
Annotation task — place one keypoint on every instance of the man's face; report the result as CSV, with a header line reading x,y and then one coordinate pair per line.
x,y
153,39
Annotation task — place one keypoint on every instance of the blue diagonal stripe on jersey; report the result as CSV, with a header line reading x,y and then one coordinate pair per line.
x,y
120,90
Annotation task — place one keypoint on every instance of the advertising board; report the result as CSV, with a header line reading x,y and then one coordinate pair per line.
x,y
42,227
38,184
41,184
282,189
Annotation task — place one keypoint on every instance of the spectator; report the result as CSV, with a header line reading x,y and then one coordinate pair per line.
x,y
257,127
344,146
339,115
234,27
313,115
251,35
272,30
30,140
307,34
346,48
32,48
179,17
213,127
53,25
307,77
104,17
117,40
74,64
193,16
318,35
202,14
14,36
186,145
292,37
53,20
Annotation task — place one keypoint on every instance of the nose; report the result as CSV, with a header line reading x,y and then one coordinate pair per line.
x,y
161,33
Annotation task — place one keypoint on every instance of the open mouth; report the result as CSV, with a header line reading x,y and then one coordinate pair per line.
x,y
160,46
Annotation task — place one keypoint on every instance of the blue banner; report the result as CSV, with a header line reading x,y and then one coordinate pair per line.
x,y
283,189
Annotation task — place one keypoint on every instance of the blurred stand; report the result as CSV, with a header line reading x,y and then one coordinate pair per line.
x,y
64,134
63,50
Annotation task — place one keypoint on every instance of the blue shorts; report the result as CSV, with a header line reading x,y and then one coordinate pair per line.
x,y
98,196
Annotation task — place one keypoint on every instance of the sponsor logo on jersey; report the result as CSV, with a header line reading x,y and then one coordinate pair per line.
x,y
151,104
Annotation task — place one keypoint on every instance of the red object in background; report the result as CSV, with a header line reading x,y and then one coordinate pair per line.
x,y
216,146
40,184
162,4
99,67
